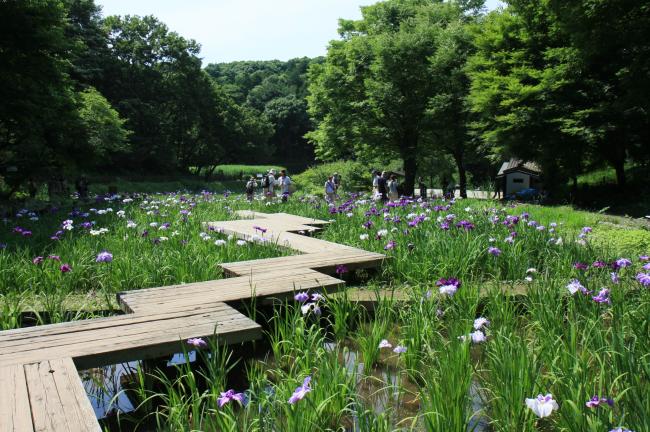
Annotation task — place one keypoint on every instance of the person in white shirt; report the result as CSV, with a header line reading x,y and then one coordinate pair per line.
x,y
270,194
375,183
330,190
393,193
284,182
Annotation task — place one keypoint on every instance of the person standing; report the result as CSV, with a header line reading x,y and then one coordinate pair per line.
x,y
393,193
423,188
250,189
336,178
284,182
375,184
330,190
270,193
382,187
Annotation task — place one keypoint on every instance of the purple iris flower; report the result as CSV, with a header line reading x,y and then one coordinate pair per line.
x,y
602,297
390,245
614,277
466,225
367,224
494,251
104,256
301,297
197,342
646,267
599,264
399,349
65,268
341,269
644,258
595,401
448,281
623,262
301,391
26,233
54,257
621,429
37,260
580,266
230,395
643,279
3,246
574,286
444,226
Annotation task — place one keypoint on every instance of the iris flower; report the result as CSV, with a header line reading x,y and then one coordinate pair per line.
x,y
602,297
301,297
643,279
385,344
301,391
542,405
228,396
494,251
197,342
595,401
104,256
574,286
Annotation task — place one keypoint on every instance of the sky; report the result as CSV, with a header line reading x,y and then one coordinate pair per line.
x,y
230,30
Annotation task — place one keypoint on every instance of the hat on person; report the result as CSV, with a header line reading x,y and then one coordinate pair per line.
x,y
272,171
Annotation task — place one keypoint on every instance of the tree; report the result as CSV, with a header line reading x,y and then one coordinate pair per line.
x,y
375,92
104,129
37,104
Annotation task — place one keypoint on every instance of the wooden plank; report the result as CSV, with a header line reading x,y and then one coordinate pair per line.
x,y
241,286
107,322
75,402
68,336
57,416
37,399
261,292
136,342
15,412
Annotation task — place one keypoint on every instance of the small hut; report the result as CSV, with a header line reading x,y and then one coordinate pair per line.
x,y
517,175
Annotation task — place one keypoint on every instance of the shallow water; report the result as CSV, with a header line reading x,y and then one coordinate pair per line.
x,y
385,389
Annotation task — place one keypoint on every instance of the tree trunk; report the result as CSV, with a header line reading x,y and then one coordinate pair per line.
x,y
410,169
462,174
619,166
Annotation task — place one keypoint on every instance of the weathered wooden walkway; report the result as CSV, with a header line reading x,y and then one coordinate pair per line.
x,y
40,389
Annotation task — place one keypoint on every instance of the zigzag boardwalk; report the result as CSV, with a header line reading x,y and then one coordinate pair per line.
x,y
40,389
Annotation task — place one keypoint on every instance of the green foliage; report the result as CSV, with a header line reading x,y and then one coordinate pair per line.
x,y
38,118
630,242
355,176
394,86
104,127
274,91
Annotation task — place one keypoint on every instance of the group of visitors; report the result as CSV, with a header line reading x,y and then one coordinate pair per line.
x,y
332,187
269,185
385,186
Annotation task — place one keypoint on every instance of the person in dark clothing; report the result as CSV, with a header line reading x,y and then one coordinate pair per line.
x,y
423,188
82,187
382,187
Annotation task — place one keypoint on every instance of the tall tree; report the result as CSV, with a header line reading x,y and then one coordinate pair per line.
x,y
37,104
376,88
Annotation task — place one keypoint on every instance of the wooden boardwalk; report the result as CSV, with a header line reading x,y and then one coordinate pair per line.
x,y
40,389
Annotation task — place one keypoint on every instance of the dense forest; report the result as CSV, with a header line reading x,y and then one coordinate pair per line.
x,y
276,91
434,84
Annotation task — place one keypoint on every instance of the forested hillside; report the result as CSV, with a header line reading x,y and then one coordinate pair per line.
x,y
275,91
83,93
